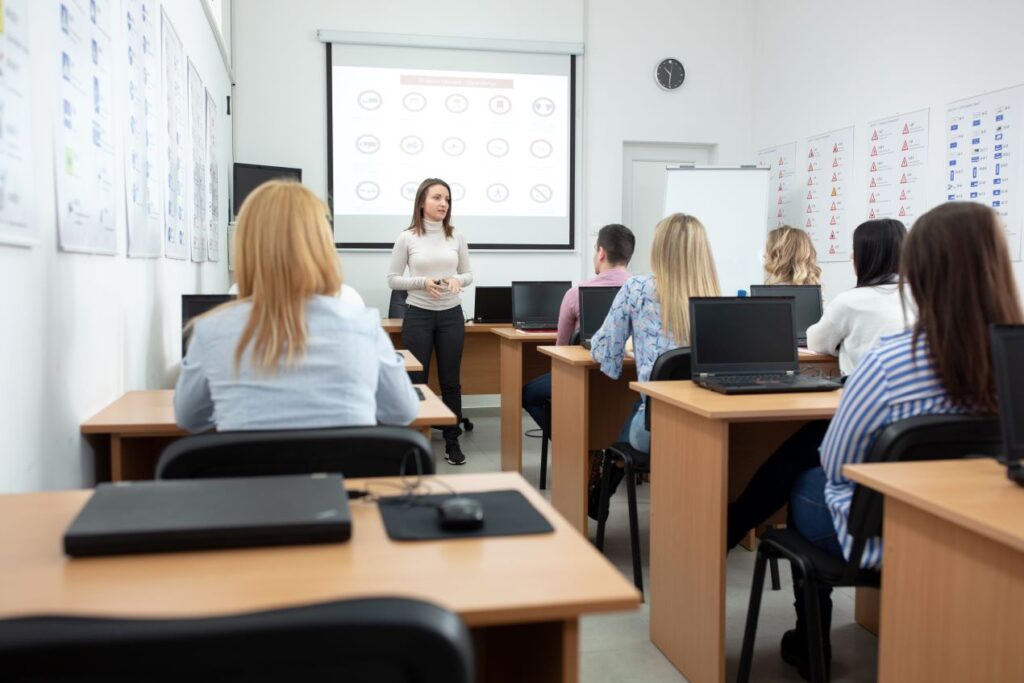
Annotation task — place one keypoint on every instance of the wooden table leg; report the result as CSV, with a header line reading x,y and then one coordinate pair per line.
x,y
569,442
511,406
866,608
134,457
545,652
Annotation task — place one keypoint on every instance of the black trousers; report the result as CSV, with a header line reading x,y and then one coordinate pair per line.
x,y
443,332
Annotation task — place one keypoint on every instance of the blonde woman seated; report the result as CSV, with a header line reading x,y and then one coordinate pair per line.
x,y
288,354
790,258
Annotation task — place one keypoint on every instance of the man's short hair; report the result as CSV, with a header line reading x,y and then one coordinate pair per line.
x,y
618,242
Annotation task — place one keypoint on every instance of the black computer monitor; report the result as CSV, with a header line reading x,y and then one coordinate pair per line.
x,y
595,302
808,304
493,305
535,304
247,177
1008,365
197,304
736,335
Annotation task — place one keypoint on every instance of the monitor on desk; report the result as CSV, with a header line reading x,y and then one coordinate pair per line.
x,y
535,305
193,305
493,305
808,304
248,177
1008,366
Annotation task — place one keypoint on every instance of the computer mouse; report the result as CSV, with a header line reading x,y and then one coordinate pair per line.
x,y
460,514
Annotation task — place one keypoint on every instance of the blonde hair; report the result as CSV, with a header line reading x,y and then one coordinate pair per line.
x,y
683,266
790,258
284,254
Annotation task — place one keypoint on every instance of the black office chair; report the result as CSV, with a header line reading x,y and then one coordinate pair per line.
x,y
545,432
352,451
397,305
388,640
926,437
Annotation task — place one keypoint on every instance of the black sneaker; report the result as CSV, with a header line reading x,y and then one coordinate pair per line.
x,y
594,492
453,454
794,652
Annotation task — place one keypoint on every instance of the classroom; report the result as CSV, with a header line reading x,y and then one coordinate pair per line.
x,y
573,144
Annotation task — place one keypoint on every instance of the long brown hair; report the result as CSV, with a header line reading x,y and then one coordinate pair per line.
x,y
417,208
284,254
683,266
957,266
790,258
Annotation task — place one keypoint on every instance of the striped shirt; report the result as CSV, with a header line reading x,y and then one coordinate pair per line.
x,y
890,384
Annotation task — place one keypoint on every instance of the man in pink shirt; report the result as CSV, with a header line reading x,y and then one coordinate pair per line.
x,y
615,245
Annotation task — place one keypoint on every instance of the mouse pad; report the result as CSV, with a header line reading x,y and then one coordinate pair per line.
x,y
506,513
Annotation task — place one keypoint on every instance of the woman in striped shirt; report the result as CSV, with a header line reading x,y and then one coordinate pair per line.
x,y
957,266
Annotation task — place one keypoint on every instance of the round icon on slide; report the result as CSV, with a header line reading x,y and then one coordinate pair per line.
x,y
368,144
367,190
541,149
497,147
497,192
541,193
456,103
414,101
411,144
370,100
409,190
458,192
453,147
500,104
543,106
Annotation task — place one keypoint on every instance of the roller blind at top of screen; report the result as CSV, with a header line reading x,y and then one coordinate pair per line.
x,y
496,126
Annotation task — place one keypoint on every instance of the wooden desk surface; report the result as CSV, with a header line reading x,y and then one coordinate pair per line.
x,y
710,404
974,494
411,364
509,332
394,325
502,580
151,412
577,355
806,356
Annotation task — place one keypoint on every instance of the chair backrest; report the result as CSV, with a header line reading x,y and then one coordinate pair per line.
x,y
352,451
925,437
674,364
397,305
387,640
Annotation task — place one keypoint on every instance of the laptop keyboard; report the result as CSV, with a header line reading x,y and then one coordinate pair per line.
x,y
753,379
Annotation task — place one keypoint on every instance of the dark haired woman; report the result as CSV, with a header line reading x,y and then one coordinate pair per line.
x,y
855,320
957,267
438,261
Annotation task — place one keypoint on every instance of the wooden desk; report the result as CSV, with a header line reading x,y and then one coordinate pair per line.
x,y
411,364
704,449
134,429
520,362
952,570
521,596
588,409
481,369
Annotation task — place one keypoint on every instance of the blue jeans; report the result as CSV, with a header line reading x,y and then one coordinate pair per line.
x,y
809,514
627,429
536,393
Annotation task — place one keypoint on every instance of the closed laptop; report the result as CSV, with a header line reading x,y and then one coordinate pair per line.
x,y
198,514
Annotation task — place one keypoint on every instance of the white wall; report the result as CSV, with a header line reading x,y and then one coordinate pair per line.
x,y
824,65
80,330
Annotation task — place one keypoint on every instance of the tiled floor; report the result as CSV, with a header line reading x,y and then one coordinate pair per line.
x,y
615,647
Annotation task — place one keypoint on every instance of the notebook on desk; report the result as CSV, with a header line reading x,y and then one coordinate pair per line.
x,y
747,346
493,305
201,514
1008,367
535,305
595,302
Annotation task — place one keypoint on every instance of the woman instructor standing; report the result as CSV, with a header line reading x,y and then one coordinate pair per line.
x,y
438,261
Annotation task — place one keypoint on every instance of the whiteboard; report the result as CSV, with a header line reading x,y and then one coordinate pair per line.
x,y
732,204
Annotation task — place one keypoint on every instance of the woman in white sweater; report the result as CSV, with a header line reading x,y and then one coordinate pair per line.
x,y
438,261
855,320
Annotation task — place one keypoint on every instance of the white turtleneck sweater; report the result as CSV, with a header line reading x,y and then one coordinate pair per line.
x,y
432,256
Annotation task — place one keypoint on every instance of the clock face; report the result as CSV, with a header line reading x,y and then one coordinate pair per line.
x,y
670,74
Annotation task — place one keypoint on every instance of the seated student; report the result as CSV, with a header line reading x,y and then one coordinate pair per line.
x,y
855,320
957,267
288,354
615,245
654,309
790,258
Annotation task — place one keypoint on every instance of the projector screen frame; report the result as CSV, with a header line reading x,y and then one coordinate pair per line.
x,y
569,245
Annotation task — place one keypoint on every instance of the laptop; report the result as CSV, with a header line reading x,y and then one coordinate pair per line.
x,y
595,302
808,304
535,304
1008,366
200,514
493,305
742,345
193,305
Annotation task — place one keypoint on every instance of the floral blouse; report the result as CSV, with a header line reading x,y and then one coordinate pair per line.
x,y
634,313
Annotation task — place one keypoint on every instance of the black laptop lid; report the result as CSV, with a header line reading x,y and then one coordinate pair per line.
x,y
193,305
1008,364
808,303
595,302
195,514
537,303
741,335
493,305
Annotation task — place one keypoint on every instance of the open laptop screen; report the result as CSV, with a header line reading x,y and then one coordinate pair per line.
x,y
493,305
595,302
731,335
1008,362
808,302
193,305
536,304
